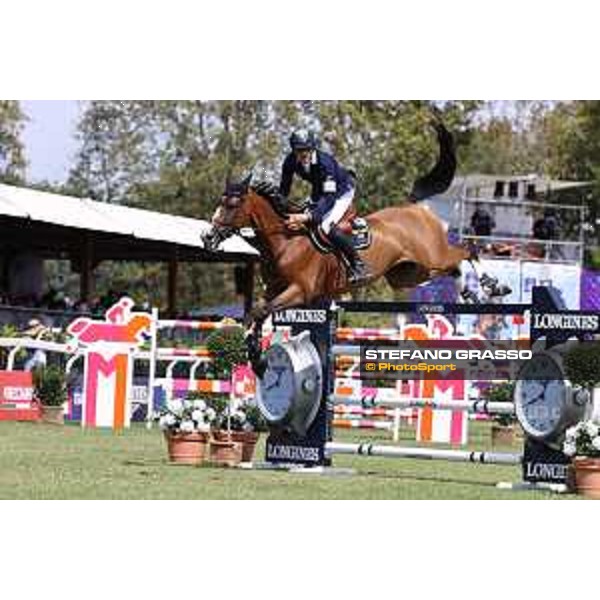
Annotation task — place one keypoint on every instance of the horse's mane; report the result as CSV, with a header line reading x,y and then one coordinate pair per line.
x,y
269,191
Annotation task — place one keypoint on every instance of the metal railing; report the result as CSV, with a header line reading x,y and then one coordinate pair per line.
x,y
552,250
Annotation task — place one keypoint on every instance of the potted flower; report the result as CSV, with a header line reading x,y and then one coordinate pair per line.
x,y
582,443
503,425
224,449
186,426
246,423
50,389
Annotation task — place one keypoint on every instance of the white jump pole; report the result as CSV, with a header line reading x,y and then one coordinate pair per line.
x,y
471,406
152,367
488,458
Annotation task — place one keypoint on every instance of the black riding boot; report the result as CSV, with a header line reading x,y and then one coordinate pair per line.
x,y
359,272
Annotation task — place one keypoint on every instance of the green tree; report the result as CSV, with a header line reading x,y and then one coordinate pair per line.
x,y
509,139
12,154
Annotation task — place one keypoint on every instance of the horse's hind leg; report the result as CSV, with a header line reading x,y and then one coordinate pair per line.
x,y
406,275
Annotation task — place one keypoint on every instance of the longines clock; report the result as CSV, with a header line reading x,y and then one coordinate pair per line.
x,y
545,402
289,394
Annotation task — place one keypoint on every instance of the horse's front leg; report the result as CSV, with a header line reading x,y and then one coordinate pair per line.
x,y
291,296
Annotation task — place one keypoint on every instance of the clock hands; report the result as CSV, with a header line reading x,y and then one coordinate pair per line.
x,y
278,373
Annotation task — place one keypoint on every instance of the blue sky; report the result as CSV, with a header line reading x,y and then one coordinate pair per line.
x,y
49,137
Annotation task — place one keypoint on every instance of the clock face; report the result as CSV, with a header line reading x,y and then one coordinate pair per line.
x,y
540,403
277,385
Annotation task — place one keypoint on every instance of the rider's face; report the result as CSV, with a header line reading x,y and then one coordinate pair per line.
x,y
303,157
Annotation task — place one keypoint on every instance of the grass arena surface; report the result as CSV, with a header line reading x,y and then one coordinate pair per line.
x,y
52,462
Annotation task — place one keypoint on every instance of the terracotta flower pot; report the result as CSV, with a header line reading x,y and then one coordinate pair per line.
x,y
52,414
248,439
503,435
587,476
186,448
224,450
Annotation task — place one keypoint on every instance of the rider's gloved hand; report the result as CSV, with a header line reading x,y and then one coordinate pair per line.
x,y
297,221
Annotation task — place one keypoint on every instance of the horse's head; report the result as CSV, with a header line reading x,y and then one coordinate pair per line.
x,y
239,208
231,214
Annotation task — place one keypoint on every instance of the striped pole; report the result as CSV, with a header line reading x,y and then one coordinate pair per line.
x,y
470,406
486,458
370,334
197,325
353,411
362,424
339,350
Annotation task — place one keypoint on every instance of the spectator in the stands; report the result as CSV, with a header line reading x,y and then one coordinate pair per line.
x,y
547,229
548,225
37,358
482,222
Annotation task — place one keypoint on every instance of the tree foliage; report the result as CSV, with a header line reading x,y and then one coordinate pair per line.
x,y
12,154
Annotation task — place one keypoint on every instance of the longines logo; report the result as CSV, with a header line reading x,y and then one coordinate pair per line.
x,y
545,471
300,315
284,452
566,321
434,309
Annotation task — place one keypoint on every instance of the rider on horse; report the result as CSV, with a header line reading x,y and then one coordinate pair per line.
x,y
330,199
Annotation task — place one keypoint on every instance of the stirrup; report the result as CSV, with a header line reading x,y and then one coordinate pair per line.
x,y
360,275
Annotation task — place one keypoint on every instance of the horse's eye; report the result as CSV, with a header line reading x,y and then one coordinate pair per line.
x,y
232,202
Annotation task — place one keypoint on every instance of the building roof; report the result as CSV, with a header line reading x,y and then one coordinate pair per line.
x,y
486,183
149,234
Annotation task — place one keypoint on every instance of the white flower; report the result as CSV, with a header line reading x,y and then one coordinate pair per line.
x,y
591,429
205,427
170,419
175,405
236,404
187,426
198,416
210,415
569,448
199,404
571,434
239,415
163,422
596,443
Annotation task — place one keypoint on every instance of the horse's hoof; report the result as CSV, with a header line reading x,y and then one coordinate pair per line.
x,y
498,291
259,367
361,278
469,297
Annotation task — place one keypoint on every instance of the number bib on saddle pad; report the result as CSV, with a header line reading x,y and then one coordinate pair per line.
x,y
357,226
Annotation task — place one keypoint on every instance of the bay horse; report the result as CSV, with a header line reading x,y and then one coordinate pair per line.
x,y
409,243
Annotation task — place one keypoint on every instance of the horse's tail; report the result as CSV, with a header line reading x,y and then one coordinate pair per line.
x,y
438,180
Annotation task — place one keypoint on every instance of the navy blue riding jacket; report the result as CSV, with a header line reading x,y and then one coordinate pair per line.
x,y
329,181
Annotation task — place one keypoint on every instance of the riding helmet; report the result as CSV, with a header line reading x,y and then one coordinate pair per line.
x,y
303,139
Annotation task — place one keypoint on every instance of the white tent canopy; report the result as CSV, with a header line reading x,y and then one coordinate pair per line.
x,y
90,215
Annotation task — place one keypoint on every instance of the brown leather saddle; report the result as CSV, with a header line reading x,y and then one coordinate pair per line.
x,y
350,224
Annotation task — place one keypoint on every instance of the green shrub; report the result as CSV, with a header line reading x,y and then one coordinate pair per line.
x,y
228,348
50,384
582,364
501,392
